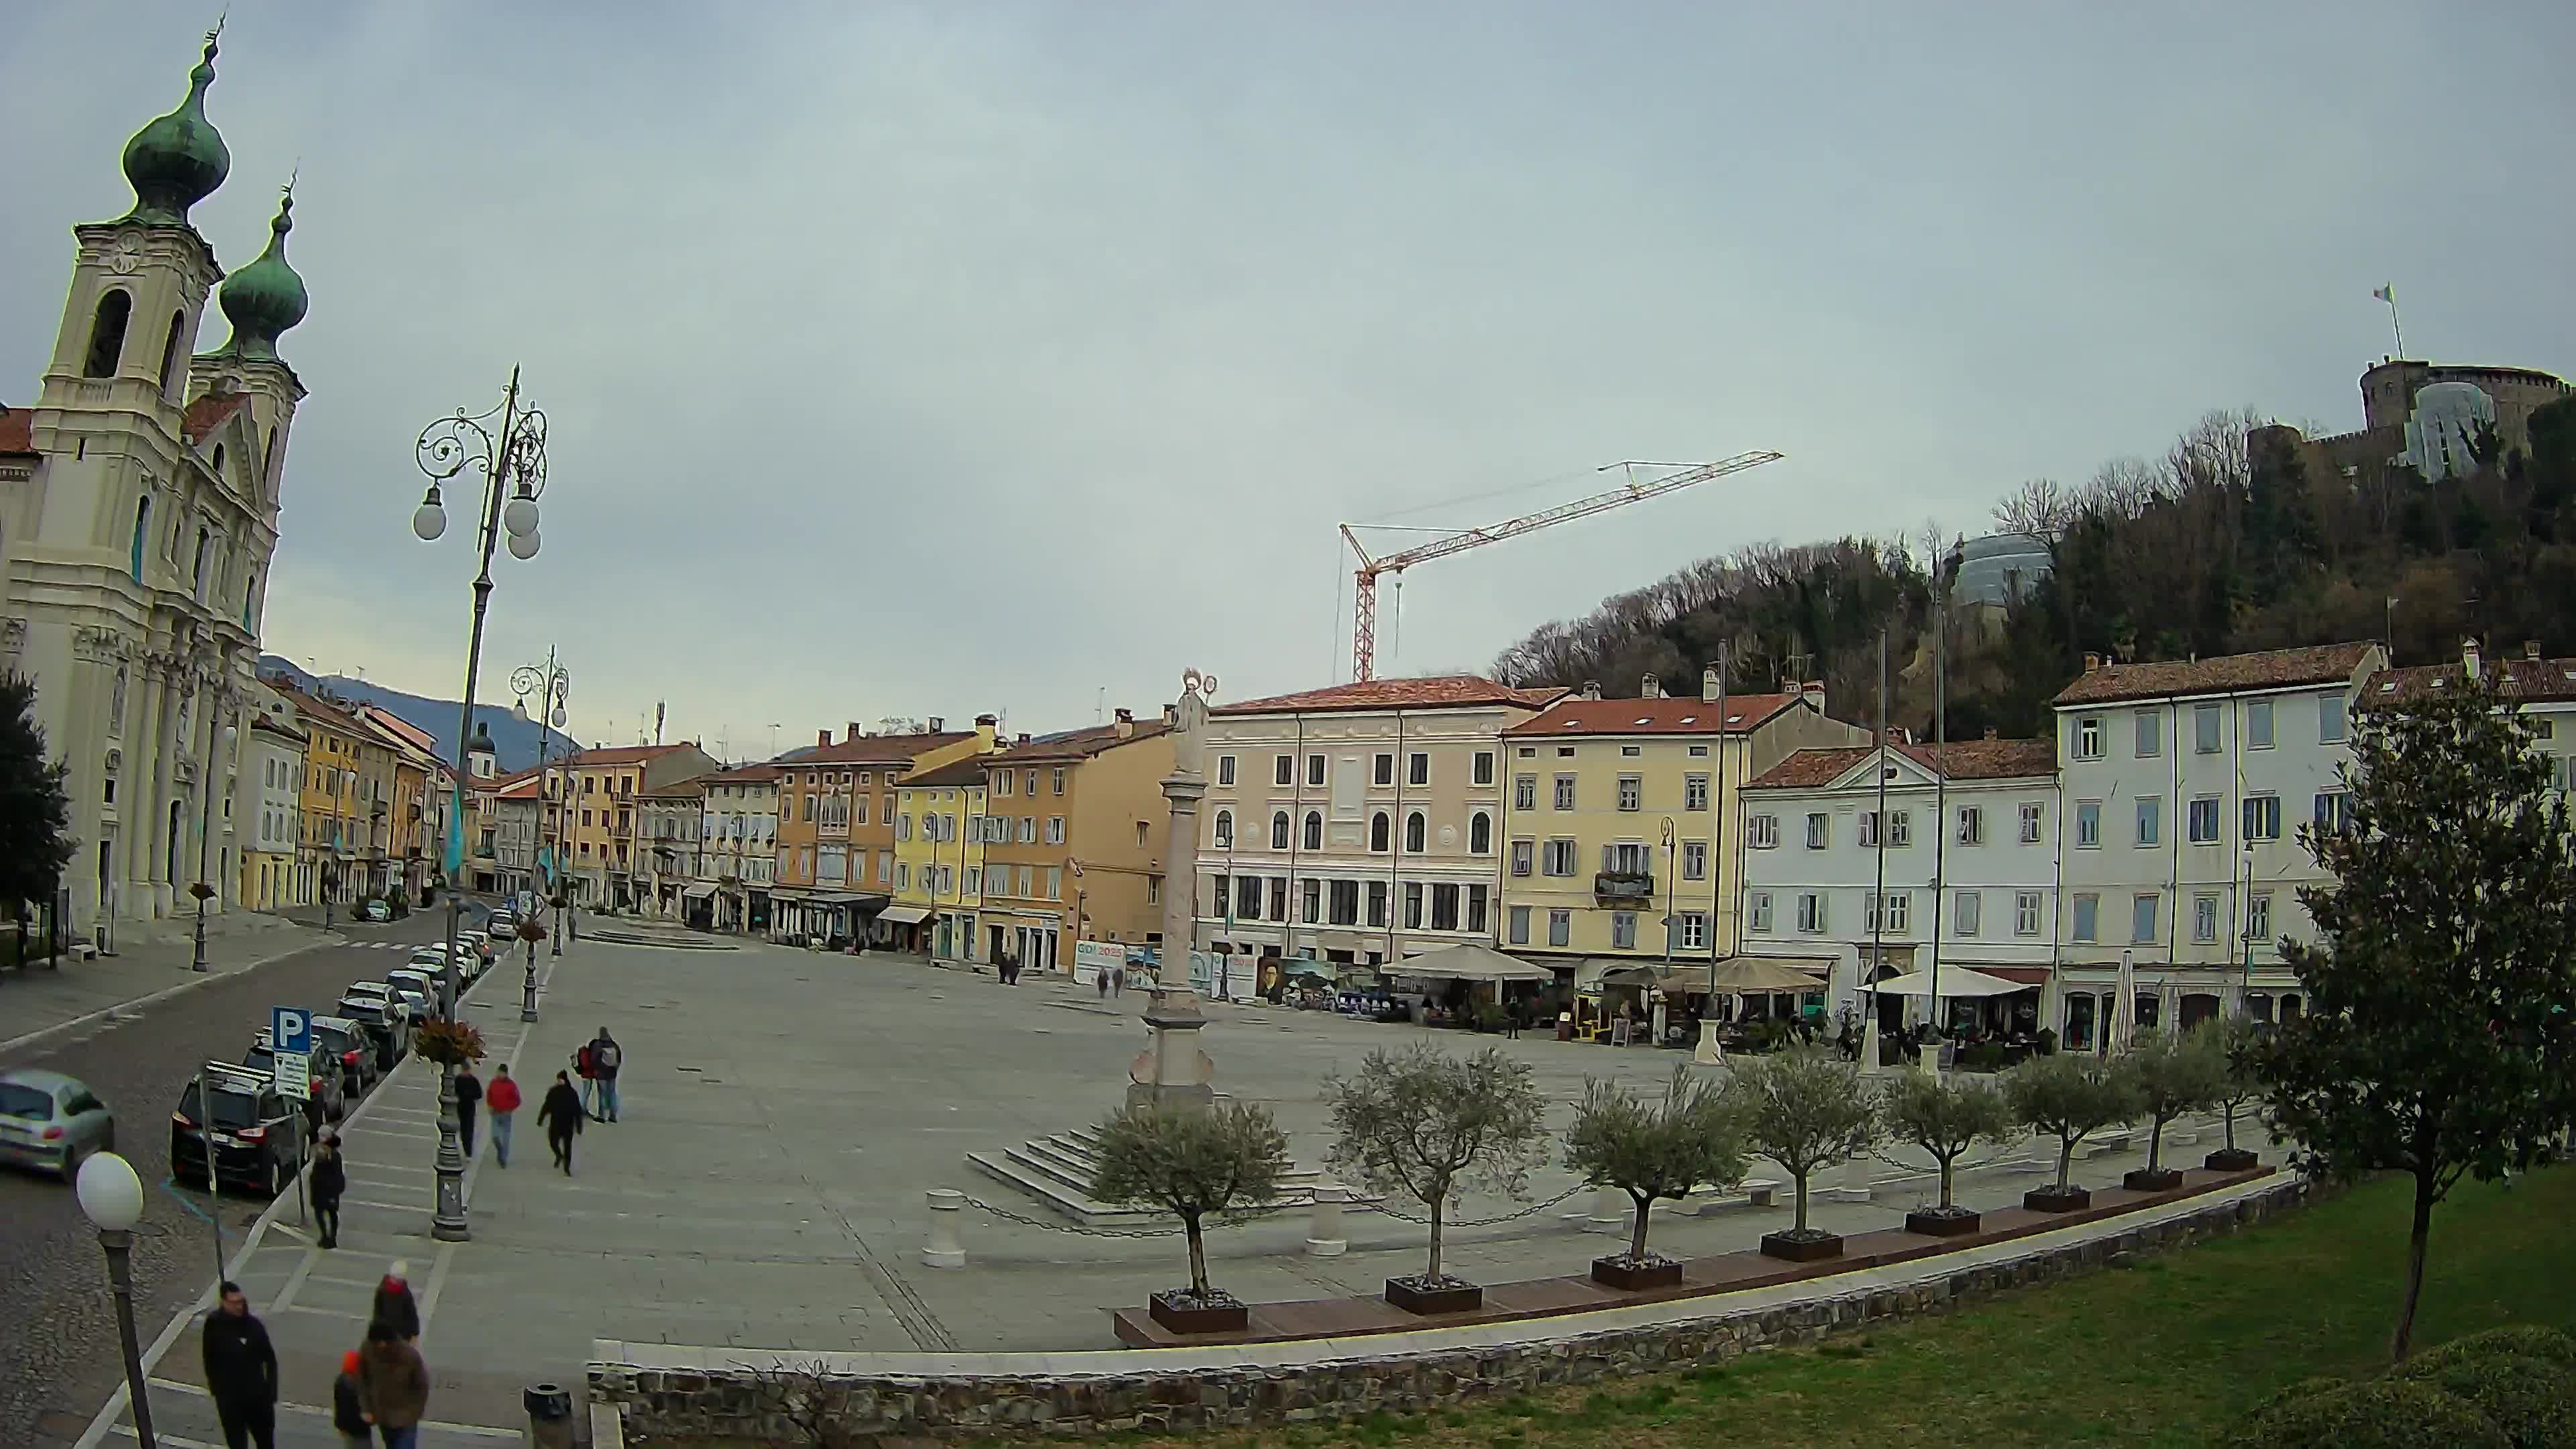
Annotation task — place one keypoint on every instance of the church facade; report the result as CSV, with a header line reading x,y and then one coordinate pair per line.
x,y
138,515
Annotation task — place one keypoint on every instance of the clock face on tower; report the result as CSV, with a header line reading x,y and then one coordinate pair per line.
x,y
129,255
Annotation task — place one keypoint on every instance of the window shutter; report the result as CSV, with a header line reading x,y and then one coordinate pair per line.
x,y
1609,859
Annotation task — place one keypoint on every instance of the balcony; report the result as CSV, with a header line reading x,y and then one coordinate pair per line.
x,y
1623,887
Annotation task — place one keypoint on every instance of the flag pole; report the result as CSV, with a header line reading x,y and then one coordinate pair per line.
x,y
2388,293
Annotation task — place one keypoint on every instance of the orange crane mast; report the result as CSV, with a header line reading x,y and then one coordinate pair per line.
x,y
1364,604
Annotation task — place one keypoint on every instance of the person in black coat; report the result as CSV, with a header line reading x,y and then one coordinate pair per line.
x,y
561,1115
241,1372
329,1180
469,1100
394,1307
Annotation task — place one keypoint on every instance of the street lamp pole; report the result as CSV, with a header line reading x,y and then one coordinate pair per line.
x,y
111,1197
553,689
517,456
223,740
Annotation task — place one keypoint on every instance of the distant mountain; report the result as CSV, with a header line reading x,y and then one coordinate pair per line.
x,y
515,741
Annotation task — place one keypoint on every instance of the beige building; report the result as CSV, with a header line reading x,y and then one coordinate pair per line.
x,y
1360,823
1624,814
737,851
1074,830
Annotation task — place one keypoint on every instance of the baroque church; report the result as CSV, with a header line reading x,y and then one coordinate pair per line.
x,y
138,514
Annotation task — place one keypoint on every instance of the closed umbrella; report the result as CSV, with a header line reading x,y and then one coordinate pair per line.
x,y
2124,1006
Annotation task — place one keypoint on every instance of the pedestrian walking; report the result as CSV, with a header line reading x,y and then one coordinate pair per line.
x,y
561,1115
469,1098
330,1178
502,1097
394,1306
605,1058
587,1070
241,1371
1100,981
348,1411
393,1387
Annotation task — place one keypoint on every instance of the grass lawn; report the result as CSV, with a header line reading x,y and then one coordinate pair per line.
x,y
2162,1353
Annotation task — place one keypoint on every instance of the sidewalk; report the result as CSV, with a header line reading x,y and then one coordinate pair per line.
x,y
40,1001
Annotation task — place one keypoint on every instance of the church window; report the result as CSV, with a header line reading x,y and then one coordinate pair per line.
x,y
205,544
219,462
107,333
142,517
170,350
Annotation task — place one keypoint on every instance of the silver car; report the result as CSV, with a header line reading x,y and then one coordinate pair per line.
x,y
51,1121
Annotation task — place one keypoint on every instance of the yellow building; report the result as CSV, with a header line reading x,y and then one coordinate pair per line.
x,y
596,791
938,860
835,825
1621,814
331,812
1073,840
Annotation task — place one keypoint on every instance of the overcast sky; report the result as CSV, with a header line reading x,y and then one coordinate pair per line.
x,y
927,360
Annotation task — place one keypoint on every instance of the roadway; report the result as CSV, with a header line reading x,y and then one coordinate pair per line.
x,y
59,1356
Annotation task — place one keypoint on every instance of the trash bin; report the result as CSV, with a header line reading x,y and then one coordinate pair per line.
x,y
1565,1026
549,1415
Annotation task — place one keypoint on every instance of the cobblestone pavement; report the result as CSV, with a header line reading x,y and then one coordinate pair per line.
x,y
59,1356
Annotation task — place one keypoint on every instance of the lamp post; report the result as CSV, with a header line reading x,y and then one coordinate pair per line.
x,y
552,687
513,465
111,1197
206,828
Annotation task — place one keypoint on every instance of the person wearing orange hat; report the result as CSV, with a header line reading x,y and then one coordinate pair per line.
x,y
348,1415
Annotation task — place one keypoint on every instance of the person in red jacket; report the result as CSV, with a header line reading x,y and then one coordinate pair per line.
x,y
501,1099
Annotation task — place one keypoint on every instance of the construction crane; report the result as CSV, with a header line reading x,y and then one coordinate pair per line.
x,y
1364,605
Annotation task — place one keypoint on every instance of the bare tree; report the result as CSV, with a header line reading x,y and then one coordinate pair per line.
x,y
2040,507
1432,1125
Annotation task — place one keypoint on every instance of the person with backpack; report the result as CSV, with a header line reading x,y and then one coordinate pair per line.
x,y
394,1306
348,1414
605,1058
585,1069
502,1098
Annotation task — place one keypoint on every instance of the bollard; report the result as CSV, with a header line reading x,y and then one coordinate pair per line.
x,y
944,1250
1324,1230
549,1416
1611,1211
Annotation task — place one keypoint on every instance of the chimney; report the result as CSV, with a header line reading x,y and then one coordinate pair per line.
x,y
2092,663
1814,689
822,738
1126,723
938,726
1171,715
2530,648
2469,657
854,731
1710,685
1023,739
1650,687
1592,689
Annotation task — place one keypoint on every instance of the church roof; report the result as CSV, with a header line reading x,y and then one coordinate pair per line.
x,y
17,431
210,412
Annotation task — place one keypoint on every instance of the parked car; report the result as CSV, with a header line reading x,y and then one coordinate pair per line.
x,y
337,1038
385,1025
424,983
257,1143
325,1082
376,911
51,1121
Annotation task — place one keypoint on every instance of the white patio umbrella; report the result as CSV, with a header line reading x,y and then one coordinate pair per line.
x,y
2123,1026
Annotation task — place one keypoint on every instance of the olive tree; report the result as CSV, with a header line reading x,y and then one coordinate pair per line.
x,y
1805,1109
2070,1096
1431,1126
2233,1041
1655,1150
1194,1163
1946,1116
2170,1075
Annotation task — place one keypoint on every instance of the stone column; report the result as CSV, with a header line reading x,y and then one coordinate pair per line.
x,y
1173,1070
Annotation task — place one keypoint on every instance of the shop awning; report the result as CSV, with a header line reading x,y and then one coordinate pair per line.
x,y
698,892
1956,981
1468,962
903,915
2025,975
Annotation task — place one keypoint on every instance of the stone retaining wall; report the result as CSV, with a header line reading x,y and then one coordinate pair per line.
x,y
756,1403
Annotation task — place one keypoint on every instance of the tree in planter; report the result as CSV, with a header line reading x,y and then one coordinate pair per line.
x,y
35,814
2439,1032
2171,1075
1195,1164
1946,1116
2233,1041
1805,1109
1654,1151
1432,1126
2070,1097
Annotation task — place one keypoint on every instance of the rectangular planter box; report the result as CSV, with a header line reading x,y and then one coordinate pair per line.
x,y
1941,1225
1464,1299
2163,1179
1612,1273
1797,1250
2231,1159
1225,1318
2050,1200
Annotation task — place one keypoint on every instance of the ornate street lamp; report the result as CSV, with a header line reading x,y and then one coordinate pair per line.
x,y
111,1197
552,687
508,446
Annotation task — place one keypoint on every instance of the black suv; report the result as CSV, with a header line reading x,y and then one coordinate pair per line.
x,y
347,1043
256,1141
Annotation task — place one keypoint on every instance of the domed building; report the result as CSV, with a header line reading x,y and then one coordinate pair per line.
x,y
141,498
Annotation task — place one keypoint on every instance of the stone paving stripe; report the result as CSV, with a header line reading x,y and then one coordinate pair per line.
x,y
323,1312
163,1436
437,1284
289,1406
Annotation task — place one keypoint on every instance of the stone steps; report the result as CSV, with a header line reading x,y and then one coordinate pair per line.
x,y
1059,1170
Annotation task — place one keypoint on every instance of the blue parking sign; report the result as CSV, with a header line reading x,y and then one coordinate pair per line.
x,y
290,1029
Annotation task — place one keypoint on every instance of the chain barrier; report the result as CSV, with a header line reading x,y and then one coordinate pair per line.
x,y
1230,1219
1447,1223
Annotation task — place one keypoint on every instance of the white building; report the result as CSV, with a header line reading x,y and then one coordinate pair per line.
x,y
140,498
737,851
668,824
268,811
1292,857
1963,870
2184,786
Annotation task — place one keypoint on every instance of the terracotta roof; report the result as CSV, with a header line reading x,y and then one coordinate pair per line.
x,y
690,788
621,755
523,788
1958,760
330,712
1079,744
210,412
277,727
2270,669
761,774
968,771
1444,691
1693,716
2525,678
874,749
17,430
